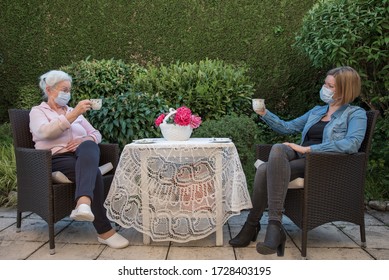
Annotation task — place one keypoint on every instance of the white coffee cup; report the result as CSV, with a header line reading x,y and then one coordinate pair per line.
x,y
96,104
258,104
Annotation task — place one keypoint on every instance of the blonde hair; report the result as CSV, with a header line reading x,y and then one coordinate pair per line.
x,y
347,84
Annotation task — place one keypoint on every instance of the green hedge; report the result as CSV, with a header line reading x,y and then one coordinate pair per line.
x,y
37,36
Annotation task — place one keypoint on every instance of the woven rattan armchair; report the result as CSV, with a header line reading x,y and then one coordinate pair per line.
x,y
333,187
36,191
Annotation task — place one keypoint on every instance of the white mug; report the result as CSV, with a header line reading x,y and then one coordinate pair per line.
x,y
258,104
96,104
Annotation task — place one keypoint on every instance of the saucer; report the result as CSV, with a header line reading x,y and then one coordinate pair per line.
x,y
220,140
144,141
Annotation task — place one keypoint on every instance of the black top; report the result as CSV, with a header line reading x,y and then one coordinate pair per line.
x,y
315,134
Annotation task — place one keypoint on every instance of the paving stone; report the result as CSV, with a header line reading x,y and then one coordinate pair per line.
x,y
209,241
326,235
17,249
369,221
79,233
31,230
201,253
314,253
136,253
380,215
8,212
377,237
68,251
78,240
6,222
379,254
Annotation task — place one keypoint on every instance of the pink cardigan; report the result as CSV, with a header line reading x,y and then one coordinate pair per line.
x,y
51,131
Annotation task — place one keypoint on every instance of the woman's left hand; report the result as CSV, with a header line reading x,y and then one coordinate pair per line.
x,y
73,145
298,148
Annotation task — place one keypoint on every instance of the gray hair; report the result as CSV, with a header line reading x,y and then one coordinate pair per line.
x,y
52,78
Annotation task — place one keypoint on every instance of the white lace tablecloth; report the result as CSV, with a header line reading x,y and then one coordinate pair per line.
x,y
177,190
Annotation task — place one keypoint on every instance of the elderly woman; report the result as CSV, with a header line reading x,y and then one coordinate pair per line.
x,y
335,127
73,142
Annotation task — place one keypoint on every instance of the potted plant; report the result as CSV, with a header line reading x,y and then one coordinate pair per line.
x,y
177,125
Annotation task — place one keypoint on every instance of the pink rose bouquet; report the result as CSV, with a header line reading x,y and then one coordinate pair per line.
x,y
183,117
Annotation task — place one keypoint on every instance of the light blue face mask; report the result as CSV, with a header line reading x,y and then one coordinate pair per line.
x,y
62,98
326,95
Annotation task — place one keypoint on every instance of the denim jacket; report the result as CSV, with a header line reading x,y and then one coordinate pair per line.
x,y
344,133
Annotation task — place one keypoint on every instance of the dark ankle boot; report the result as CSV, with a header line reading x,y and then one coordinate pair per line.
x,y
247,234
274,240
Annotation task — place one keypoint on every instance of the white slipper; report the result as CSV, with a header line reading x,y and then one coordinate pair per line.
x,y
82,213
116,241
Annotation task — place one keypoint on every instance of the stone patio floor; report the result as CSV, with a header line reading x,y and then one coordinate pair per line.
x,y
77,241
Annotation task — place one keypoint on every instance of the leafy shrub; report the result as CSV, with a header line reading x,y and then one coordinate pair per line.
x,y
354,33
378,169
7,175
244,133
211,87
377,180
128,116
100,78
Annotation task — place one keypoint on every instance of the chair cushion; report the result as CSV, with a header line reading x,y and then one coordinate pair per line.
x,y
105,168
297,183
58,177
258,162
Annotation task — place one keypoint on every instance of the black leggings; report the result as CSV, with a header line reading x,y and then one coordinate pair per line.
x,y
272,180
82,167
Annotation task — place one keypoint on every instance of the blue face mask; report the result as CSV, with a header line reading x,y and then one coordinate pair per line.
x,y
326,95
62,98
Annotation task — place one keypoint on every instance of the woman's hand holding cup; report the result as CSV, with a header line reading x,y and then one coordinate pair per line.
x,y
259,106
81,108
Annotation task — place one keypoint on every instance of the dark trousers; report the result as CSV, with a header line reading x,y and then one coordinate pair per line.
x,y
82,167
271,182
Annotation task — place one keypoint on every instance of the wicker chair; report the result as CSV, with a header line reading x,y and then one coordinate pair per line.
x,y
333,187
36,191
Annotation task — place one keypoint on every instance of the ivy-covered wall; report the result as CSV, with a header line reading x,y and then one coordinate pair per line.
x,y
37,36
